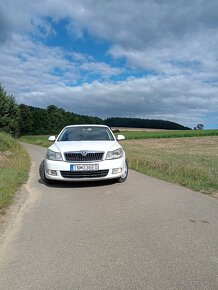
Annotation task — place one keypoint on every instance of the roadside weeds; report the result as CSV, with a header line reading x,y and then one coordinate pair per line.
x,y
14,169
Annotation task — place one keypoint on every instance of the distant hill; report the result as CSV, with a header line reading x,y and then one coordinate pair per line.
x,y
144,123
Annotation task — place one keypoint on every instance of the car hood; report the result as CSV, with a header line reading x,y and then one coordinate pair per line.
x,y
102,146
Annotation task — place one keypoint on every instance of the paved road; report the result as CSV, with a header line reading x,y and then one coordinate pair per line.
x,y
143,234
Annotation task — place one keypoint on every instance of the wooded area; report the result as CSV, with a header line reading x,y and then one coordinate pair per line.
x,y
144,123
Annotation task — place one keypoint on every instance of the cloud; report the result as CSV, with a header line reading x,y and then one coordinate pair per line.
x,y
133,98
74,30
29,68
100,68
171,45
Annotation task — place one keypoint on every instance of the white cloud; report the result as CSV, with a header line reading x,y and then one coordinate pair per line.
x,y
133,97
100,68
74,30
176,41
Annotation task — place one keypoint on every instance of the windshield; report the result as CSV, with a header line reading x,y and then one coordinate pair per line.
x,y
86,133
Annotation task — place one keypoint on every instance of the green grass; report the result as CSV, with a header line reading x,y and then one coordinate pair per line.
x,y
168,134
192,162
41,140
14,168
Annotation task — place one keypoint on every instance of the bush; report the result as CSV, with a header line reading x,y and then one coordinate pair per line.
x,y
116,131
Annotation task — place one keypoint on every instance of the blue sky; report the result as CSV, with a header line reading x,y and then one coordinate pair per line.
x,y
148,59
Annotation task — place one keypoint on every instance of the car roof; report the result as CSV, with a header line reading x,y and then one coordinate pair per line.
x,y
86,125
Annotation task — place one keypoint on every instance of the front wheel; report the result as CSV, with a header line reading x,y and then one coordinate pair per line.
x,y
123,177
42,174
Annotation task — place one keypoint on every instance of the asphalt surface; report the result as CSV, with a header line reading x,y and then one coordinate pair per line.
x,y
143,234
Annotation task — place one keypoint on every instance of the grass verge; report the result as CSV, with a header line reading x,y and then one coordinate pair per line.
x,y
14,168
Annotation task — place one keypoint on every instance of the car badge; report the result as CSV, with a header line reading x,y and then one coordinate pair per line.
x,y
84,153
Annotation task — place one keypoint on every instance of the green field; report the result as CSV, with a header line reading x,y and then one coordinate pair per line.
x,y
168,134
14,168
192,162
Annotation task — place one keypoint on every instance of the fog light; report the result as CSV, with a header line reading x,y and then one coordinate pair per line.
x,y
116,170
52,172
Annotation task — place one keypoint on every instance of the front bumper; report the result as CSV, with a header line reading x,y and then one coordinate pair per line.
x,y
60,170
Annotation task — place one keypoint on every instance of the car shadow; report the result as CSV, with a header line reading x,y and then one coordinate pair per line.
x,y
78,184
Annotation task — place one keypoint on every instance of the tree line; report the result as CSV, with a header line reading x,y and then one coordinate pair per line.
x,y
20,119
50,120
144,123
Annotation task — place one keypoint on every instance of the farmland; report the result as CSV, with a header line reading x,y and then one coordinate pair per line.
x,y
150,134
192,162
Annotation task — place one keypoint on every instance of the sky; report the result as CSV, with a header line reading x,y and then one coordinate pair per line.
x,y
155,59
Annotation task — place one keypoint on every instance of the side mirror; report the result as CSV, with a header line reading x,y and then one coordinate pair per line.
x,y
52,138
120,137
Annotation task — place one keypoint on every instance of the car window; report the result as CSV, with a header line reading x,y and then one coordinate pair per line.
x,y
86,133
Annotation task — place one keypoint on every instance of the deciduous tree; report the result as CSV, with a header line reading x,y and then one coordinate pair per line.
x,y
9,113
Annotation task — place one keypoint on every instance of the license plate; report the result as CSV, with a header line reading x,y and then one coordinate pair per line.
x,y
84,167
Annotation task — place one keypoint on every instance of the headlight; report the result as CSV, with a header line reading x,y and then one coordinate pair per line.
x,y
52,155
118,153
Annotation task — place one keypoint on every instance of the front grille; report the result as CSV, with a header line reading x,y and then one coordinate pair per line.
x,y
78,157
84,174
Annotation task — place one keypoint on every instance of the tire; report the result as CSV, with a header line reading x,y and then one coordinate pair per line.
x,y
42,174
125,174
